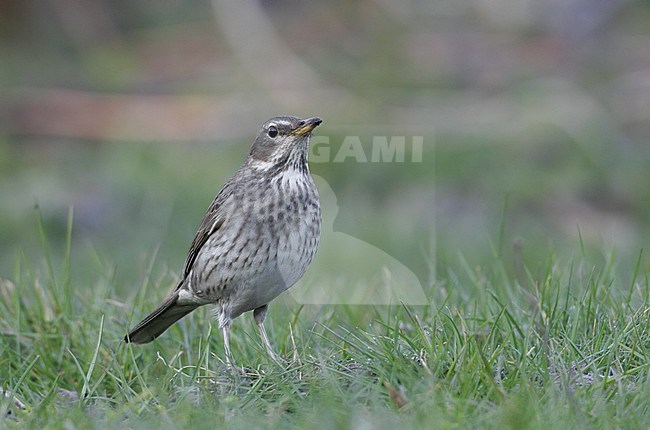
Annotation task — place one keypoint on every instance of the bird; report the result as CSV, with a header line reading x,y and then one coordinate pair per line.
x,y
256,239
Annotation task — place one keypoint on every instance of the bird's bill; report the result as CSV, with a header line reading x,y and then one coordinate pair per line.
x,y
307,126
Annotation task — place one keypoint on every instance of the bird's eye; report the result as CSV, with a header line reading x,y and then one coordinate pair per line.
x,y
273,131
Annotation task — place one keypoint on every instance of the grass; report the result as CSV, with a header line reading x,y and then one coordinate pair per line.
x,y
552,332
566,348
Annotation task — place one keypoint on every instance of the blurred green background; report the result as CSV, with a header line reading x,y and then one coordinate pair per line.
x,y
534,117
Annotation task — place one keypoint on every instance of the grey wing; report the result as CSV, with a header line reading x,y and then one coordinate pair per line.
x,y
211,222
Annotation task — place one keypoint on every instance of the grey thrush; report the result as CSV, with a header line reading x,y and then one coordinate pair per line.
x,y
256,239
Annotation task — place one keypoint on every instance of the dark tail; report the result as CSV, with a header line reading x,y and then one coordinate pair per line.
x,y
159,320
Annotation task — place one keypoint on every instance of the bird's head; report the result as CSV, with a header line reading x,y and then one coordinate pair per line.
x,y
283,141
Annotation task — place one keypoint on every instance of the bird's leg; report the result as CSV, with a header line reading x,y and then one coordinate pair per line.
x,y
260,314
267,344
226,344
